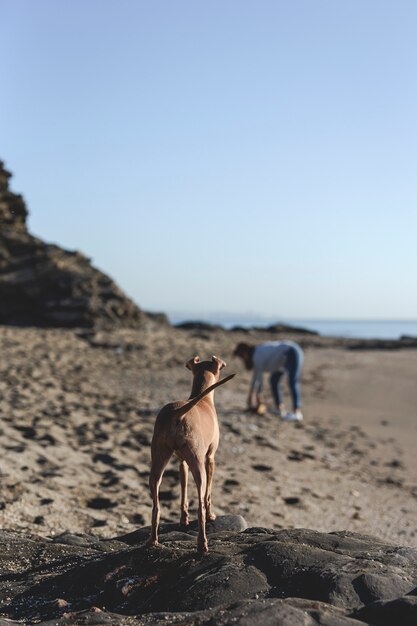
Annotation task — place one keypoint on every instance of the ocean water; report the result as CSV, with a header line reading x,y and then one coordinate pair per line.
x,y
358,329
362,329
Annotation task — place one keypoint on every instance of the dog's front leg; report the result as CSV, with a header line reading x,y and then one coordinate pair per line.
x,y
156,509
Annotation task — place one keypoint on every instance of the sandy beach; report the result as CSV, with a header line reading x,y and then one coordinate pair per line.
x,y
77,412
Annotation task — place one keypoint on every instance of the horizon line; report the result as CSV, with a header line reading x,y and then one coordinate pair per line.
x,y
284,319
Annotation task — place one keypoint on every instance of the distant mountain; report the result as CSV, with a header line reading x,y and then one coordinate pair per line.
x,y
44,285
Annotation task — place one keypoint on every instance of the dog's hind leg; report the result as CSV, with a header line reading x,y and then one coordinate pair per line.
x,y
184,496
210,465
199,474
159,463
198,470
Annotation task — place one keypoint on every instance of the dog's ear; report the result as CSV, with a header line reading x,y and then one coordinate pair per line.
x,y
190,364
219,362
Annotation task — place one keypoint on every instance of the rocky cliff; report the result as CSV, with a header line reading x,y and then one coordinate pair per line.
x,y
43,285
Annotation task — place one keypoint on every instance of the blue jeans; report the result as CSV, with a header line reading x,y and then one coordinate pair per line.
x,y
293,368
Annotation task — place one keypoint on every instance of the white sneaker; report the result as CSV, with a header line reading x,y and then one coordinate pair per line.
x,y
293,417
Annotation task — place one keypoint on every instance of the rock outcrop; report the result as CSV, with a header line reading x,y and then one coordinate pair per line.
x,y
258,576
43,285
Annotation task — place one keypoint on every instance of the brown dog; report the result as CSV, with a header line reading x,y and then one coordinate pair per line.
x,y
190,429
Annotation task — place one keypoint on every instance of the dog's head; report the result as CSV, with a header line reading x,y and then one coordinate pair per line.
x,y
214,365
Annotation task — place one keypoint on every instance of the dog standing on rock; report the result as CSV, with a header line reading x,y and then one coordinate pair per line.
x,y
191,430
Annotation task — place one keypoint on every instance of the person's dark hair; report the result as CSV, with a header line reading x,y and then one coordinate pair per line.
x,y
245,352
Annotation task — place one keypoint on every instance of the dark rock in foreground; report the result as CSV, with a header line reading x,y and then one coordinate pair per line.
x,y
258,576
43,285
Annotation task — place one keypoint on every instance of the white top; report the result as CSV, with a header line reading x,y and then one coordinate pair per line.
x,y
269,357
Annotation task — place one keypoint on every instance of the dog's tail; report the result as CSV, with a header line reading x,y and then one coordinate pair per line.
x,y
182,410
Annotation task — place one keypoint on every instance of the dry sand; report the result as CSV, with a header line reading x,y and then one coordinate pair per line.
x,y
77,415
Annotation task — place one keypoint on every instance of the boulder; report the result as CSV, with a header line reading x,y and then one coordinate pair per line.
x,y
398,612
256,576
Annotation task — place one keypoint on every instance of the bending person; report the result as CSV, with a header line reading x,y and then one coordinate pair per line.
x,y
277,358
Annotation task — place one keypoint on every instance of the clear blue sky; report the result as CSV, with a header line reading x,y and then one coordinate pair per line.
x,y
222,156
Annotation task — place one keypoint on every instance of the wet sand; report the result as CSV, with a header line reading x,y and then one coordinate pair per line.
x,y
77,413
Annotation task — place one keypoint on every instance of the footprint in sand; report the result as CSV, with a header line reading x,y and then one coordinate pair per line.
x,y
100,503
137,519
228,485
17,448
98,523
231,482
27,431
293,500
298,455
109,479
260,467
167,496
